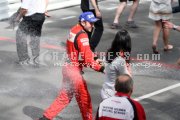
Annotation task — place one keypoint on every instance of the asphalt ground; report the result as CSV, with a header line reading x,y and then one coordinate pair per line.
x,y
25,91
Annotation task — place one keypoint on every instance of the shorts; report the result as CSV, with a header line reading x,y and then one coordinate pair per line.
x,y
125,0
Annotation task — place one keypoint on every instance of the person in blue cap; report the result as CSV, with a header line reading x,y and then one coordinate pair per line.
x,y
73,82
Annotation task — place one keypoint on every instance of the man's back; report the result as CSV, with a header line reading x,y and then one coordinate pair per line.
x,y
120,107
116,108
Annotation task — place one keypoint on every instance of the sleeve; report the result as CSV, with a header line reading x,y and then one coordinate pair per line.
x,y
86,54
140,111
25,4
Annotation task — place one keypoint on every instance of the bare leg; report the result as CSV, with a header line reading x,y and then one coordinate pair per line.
x,y
157,30
166,39
133,10
178,62
119,10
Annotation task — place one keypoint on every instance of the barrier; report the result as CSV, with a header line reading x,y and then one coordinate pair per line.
x,y
4,9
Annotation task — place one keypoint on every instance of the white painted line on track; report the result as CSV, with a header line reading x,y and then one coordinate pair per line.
x,y
11,29
129,3
69,17
48,21
114,7
157,92
111,8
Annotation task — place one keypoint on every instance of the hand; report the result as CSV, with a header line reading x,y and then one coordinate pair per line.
x,y
46,14
100,62
168,24
98,14
18,18
102,70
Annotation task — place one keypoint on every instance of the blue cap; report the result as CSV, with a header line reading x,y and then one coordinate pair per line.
x,y
88,16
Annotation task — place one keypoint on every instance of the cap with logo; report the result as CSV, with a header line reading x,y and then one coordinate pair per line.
x,y
88,16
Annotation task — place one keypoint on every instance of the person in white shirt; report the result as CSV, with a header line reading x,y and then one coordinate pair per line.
x,y
33,12
117,58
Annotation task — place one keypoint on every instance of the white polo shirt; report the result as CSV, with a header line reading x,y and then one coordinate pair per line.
x,y
34,6
116,108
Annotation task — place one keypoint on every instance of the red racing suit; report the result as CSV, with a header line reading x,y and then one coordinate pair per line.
x,y
73,81
120,107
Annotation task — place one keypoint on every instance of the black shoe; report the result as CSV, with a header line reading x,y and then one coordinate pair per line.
x,y
35,63
154,48
116,26
43,118
131,24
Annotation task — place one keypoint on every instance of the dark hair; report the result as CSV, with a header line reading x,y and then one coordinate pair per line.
x,y
122,41
124,83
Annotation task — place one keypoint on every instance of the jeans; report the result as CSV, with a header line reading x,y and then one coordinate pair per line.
x,y
32,27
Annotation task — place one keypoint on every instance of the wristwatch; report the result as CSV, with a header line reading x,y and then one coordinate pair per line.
x,y
175,27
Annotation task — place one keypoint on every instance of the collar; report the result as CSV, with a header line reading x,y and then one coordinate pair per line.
x,y
120,94
79,24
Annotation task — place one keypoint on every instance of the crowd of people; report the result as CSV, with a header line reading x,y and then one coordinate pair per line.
x,y
82,42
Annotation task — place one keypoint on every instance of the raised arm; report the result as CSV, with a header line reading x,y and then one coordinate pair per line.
x,y
97,11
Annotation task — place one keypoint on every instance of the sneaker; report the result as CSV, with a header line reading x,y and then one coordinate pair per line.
x,y
34,63
43,118
24,62
116,26
131,24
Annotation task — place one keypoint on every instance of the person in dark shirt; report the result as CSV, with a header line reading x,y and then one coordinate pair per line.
x,y
96,34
